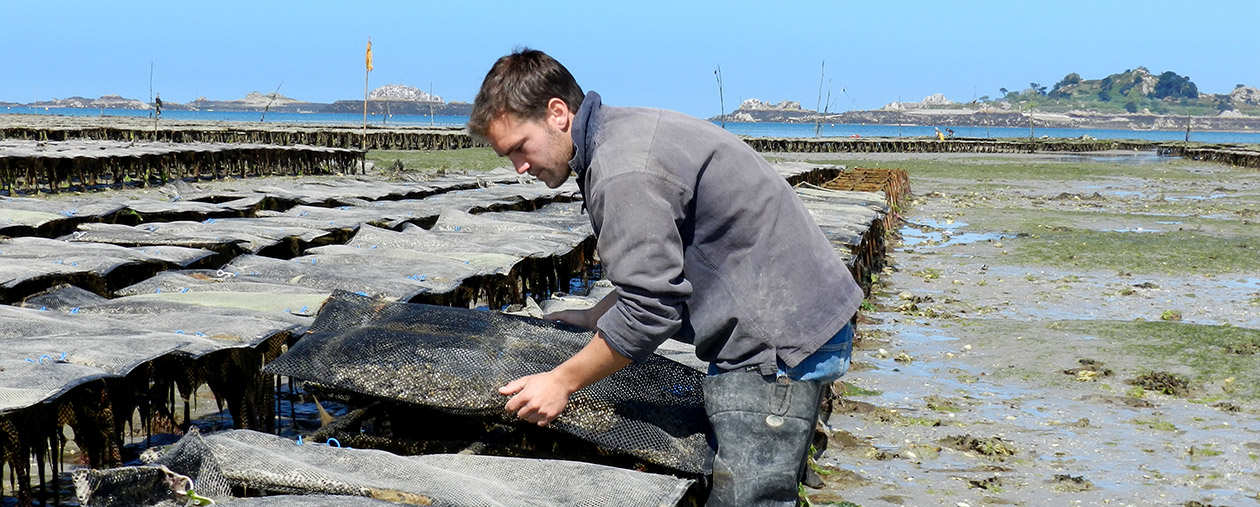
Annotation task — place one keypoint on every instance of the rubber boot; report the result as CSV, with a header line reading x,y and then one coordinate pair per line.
x,y
763,427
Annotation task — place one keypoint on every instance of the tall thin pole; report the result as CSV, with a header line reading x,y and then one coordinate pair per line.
x,y
721,99
431,103
155,115
263,118
363,143
818,108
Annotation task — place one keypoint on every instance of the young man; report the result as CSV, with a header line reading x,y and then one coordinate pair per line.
x,y
705,243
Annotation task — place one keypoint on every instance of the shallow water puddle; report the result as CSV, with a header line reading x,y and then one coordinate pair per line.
x,y
928,232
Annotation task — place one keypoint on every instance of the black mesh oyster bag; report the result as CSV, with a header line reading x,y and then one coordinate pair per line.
x,y
455,360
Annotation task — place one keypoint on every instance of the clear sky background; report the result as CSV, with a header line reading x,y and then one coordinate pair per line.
x,y
635,53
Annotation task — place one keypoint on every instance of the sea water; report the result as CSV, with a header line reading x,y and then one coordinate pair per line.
x,y
743,129
252,116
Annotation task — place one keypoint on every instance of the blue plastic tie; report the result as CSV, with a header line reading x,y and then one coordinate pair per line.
x,y
41,358
679,390
177,331
185,289
43,308
364,294
331,440
299,440
303,310
74,310
209,221
457,228
29,360
313,261
286,310
159,291
74,264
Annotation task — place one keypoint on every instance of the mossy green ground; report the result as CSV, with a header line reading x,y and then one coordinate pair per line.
x,y
1178,252
983,169
465,160
1053,237
1030,291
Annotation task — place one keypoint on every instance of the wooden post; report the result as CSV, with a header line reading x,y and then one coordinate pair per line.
x,y
721,99
363,142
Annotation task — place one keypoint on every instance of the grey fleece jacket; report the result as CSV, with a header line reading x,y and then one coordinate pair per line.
x,y
704,242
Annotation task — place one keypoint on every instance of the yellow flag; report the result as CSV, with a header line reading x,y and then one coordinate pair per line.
x,y
369,56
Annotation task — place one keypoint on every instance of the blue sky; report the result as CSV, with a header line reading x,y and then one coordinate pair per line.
x,y
642,53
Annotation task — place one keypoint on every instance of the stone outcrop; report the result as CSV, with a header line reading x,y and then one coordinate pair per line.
x,y
934,100
395,92
755,110
1245,96
758,105
105,101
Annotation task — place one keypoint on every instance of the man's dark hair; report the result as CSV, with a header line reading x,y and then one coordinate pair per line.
x,y
521,84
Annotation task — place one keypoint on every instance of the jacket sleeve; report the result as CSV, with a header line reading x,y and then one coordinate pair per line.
x,y
640,245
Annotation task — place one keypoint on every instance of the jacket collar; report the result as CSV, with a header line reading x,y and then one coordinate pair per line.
x,y
584,125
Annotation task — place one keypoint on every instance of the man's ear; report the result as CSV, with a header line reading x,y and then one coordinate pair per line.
x,y
558,114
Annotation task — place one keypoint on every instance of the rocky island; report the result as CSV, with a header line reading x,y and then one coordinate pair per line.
x,y
388,99
1134,99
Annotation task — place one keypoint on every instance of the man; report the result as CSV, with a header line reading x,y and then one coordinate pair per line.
x,y
705,243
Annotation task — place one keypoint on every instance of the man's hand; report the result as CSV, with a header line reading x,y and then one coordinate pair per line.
x,y
539,398
542,397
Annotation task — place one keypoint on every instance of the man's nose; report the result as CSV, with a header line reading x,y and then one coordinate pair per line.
x,y
522,167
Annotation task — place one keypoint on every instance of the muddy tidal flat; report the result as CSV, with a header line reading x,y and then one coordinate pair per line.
x,y
1058,330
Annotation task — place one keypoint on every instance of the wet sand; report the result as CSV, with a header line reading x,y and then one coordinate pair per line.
x,y
988,375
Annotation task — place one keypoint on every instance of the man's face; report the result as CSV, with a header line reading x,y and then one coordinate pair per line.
x,y
540,147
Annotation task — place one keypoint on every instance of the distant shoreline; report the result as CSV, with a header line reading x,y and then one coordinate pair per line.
x,y
249,120
947,118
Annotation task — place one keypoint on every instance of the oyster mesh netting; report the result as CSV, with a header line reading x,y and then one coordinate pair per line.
x,y
455,360
243,461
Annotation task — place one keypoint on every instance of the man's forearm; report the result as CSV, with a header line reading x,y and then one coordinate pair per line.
x,y
595,361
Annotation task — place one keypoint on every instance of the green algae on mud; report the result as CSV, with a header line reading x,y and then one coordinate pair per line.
x,y
1215,357
1039,221
1209,353
1174,252
463,160
1219,360
1013,168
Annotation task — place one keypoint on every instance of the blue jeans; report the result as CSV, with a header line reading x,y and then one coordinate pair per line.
x,y
827,364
